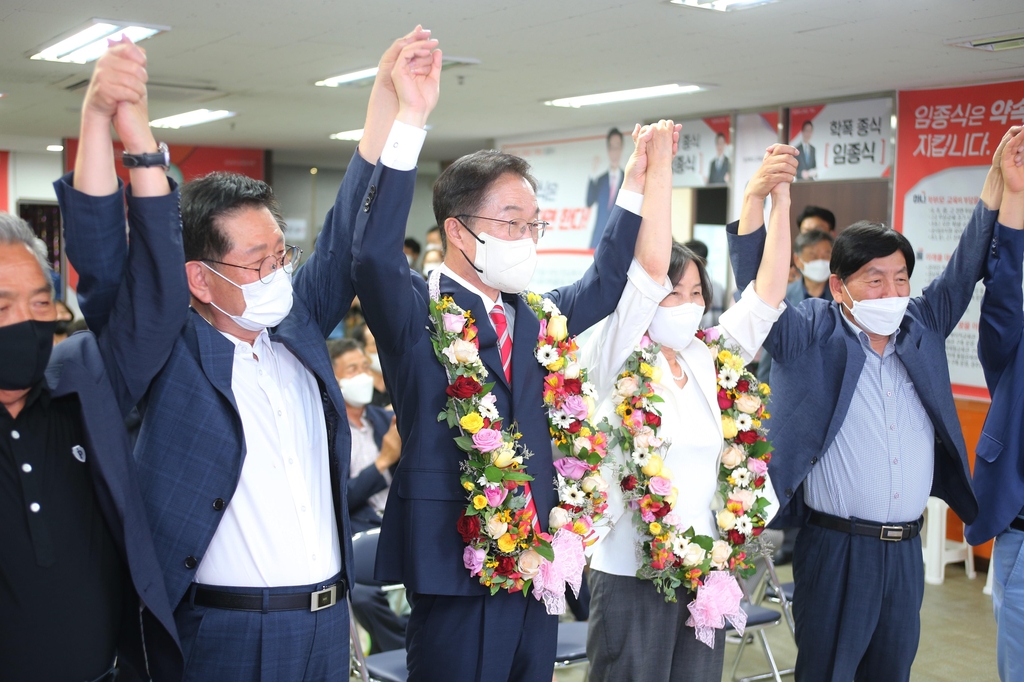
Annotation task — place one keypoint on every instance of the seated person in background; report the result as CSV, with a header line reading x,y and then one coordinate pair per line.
x,y
381,397
64,319
817,218
812,252
434,237
432,258
412,251
376,447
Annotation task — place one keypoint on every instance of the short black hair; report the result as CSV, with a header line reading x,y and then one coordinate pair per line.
x,y
413,245
805,124
818,212
720,135
806,239
864,241
681,255
338,347
462,187
358,333
614,132
698,247
208,199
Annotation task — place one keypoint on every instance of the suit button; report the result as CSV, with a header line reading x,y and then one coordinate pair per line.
x,y
814,460
789,492
366,206
372,193
190,562
218,504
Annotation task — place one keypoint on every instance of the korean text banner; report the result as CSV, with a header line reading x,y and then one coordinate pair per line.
x,y
945,141
703,157
844,140
578,174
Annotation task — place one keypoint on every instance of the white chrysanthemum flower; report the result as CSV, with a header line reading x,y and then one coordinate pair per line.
x,y
546,354
572,495
589,389
728,377
744,422
560,419
482,481
743,525
642,457
679,545
548,306
488,411
742,477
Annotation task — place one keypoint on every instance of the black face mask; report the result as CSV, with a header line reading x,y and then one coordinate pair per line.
x,y
25,348
60,327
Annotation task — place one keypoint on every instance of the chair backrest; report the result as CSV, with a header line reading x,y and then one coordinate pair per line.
x,y
364,550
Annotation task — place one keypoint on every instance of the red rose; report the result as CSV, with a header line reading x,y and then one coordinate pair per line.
x,y
506,565
759,481
469,527
574,427
463,387
628,483
662,511
757,531
742,386
652,419
573,386
510,485
724,401
736,538
700,334
748,437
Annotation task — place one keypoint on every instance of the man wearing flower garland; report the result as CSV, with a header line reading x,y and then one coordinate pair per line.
x,y
865,429
486,206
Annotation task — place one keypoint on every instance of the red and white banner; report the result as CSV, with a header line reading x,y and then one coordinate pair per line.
x,y
843,140
704,155
946,138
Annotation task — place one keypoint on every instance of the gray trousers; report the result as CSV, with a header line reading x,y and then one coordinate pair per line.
x,y
636,636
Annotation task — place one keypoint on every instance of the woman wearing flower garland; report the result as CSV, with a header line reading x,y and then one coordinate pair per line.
x,y
638,627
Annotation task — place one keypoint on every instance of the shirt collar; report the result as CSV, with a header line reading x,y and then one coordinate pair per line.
x,y
488,302
862,336
244,348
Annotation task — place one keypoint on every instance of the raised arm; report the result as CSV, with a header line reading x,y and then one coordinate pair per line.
x,y
654,241
773,272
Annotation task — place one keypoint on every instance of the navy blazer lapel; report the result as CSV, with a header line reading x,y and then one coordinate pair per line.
x,y
852,361
216,354
486,335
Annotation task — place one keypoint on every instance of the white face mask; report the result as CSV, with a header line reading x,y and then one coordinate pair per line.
x,y
429,268
505,265
358,390
266,305
880,316
375,362
675,327
817,270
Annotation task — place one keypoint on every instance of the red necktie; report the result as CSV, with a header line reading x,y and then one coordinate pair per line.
x,y
505,349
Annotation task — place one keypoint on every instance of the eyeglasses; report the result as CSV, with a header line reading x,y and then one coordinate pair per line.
x,y
271,264
517,229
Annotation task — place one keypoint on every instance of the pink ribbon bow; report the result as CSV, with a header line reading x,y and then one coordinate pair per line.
x,y
567,569
718,600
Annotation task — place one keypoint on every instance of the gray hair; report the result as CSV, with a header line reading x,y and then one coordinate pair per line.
x,y
14,230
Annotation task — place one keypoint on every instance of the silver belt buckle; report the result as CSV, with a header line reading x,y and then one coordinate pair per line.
x,y
324,599
891,533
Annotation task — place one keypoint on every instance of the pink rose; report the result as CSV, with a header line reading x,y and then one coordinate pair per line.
x,y
576,406
473,560
495,495
758,466
671,519
645,341
660,485
744,496
543,330
570,467
453,323
711,334
487,440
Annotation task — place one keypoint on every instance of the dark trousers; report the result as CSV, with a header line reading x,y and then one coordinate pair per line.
x,y
495,638
857,606
373,612
281,646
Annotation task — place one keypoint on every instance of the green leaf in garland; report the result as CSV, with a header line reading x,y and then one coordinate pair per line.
x,y
545,550
465,443
493,474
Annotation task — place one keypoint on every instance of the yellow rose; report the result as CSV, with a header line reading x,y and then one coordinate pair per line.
x,y
655,528
585,432
729,429
724,356
656,374
472,422
506,543
503,457
556,365
765,389
479,502
532,298
653,466
557,328
646,369
468,485
726,519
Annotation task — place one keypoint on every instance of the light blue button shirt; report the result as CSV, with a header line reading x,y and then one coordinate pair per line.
x,y
879,468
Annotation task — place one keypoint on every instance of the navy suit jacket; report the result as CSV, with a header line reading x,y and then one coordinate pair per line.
x,y
191,445
109,373
598,192
817,360
419,544
999,466
805,162
369,481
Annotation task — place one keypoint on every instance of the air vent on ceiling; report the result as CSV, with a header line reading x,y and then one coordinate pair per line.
x,y
993,43
164,92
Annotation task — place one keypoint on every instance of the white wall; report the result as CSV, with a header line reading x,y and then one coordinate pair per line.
x,y
32,175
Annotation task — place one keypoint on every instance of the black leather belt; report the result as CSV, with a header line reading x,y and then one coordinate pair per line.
x,y
1017,523
890,532
253,601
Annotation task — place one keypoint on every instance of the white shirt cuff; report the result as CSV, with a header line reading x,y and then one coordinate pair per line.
x,y
629,200
402,150
646,284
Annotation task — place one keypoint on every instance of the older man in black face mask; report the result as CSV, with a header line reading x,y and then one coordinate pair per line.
x,y
80,586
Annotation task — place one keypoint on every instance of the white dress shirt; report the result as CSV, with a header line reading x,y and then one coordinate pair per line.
x,y
279,527
364,455
691,418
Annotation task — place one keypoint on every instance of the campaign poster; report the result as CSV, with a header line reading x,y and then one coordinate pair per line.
x,y
704,155
842,141
754,134
578,174
945,141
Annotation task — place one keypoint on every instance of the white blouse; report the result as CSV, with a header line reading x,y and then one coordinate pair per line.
x,y
691,418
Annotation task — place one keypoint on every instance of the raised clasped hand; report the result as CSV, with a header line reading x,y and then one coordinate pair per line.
x,y
417,79
117,94
1011,160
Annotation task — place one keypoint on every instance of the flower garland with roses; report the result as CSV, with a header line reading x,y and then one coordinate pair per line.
x,y
504,544
670,556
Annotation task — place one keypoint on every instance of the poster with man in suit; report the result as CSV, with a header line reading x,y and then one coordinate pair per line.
x,y
807,167
603,189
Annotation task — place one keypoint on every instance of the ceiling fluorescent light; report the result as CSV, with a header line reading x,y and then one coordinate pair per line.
x,y
624,95
364,74
54,147
722,5
993,43
191,118
349,135
88,42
